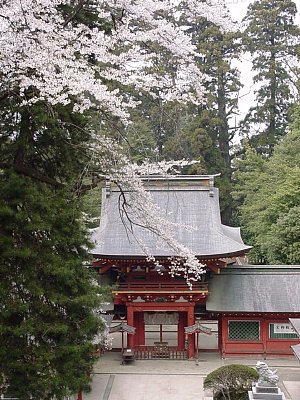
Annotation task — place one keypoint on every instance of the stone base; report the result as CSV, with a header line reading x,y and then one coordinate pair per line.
x,y
266,389
265,393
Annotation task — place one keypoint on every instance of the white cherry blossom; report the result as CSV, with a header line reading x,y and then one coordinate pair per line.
x,y
44,51
47,54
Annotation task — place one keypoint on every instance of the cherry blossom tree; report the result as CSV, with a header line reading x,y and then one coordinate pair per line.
x,y
85,54
48,54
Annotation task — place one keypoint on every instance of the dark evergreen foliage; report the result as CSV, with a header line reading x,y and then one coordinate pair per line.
x,y
218,50
268,194
48,299
162,130
271,37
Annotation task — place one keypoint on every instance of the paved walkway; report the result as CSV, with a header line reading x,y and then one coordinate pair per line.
x,y
176,380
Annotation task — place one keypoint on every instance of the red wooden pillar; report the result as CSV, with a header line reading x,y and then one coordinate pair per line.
x,y
136,322
182,323
264,332
140,328
191,338
220,333
130,321
224,328
197,345
79,396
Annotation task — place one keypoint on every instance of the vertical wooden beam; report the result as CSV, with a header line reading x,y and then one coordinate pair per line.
x,y
224,335
160,333
182,323
220,333
191,338
130,321
264,334
136,324
140,328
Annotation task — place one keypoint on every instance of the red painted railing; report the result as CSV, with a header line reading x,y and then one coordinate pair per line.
x,y
160,286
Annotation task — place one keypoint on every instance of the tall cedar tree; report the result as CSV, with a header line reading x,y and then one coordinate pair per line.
x,y
219,50
271,38
202,133
206,131
48,297
47,319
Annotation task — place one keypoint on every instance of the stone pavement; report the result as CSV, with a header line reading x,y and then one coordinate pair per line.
x,y
175,379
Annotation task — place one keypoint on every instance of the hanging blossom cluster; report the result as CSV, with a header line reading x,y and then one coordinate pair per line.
x,y
47,53
137,208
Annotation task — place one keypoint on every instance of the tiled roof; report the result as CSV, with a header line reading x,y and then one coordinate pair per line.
x,y
184,200
296,350
296,324
255,289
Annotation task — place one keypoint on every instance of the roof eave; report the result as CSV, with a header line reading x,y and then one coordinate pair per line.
x,y
166,257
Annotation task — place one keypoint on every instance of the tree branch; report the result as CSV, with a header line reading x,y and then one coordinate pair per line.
x,y
32,173
82,189
75,12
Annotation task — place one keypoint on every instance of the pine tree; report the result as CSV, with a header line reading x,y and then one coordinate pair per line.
x,y
48,298
209,133
220,49
271,37
201,132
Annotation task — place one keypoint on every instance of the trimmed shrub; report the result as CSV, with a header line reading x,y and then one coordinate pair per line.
x,y
231,382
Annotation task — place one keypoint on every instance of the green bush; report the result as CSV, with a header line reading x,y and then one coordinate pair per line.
x,y
231,382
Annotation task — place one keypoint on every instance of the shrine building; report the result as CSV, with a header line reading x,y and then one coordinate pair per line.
x,y
250,305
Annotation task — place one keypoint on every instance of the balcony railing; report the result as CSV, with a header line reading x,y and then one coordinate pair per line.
x,y
161,286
